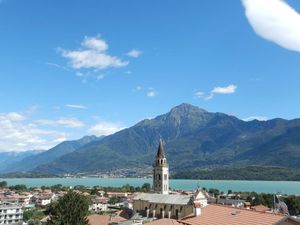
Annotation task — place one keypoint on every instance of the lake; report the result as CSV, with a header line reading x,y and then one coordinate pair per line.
x,y
284,187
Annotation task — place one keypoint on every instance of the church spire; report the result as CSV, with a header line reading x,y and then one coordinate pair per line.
x,y
160,151
161,171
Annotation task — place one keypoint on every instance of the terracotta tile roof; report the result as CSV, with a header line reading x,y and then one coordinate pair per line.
x,y
223,215
164,222
98,219
260,208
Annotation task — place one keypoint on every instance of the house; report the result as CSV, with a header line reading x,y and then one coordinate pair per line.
x,y
164,222
117,194
96,219
230,199
10,213
224,215
260,208
128,203
98,204
42,200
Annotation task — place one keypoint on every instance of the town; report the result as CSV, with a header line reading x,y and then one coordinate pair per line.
x,y
138,205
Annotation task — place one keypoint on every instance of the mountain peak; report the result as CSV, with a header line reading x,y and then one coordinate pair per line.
x,y
185,108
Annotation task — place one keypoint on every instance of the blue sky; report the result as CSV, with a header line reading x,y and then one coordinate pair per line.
x,y
75,68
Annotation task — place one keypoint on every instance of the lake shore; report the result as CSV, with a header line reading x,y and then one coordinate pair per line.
x,y
284,187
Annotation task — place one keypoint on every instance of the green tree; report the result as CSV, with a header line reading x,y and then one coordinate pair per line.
x,y
214,191
114,199
18,188
293,204
33,222
3,184
146,187
71,209
32,215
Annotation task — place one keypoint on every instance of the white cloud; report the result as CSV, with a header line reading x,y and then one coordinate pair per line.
x,y
57,66
79,74
135,53
151,93
105,128
260,118
17,134
199,94
275,21
76,106
138,88
95,43
64,122
14,116
230,89
93,55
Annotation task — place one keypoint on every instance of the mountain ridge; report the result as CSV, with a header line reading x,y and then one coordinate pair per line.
x,y
194,138
32,161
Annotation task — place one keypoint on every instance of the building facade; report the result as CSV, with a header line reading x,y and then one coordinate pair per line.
x,y
161,171
161,204
11,214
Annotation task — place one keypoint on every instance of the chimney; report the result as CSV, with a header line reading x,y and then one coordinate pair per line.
x,y
197,208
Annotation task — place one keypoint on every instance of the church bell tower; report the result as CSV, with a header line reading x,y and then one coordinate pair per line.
x,y
161,171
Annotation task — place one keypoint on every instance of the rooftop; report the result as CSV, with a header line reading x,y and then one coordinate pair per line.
x,y
221,215
165,199
164,222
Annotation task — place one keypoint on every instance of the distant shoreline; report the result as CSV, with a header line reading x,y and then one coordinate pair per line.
x,y
284,187
250,173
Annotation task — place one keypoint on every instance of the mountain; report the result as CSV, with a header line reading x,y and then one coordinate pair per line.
x,y
7,158
32,161
194,138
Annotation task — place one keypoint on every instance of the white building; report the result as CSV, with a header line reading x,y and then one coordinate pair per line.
x,y
161,171
98,204
43,201
161,204
10,214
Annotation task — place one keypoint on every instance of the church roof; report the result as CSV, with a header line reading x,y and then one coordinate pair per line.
x,y
160,151
164,199
224,215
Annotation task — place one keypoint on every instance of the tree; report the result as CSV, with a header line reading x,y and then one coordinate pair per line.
x,y
33,222
214,191
3,184
71,209
18,187
114,199
32,215
146,187
293,203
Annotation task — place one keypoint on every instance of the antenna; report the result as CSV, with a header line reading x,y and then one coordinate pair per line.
x,y
274,203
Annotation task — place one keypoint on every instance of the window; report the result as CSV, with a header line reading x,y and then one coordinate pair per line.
x,y
166,176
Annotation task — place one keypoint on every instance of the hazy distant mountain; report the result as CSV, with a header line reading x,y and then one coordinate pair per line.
x,y
32,161
194,138
7,158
